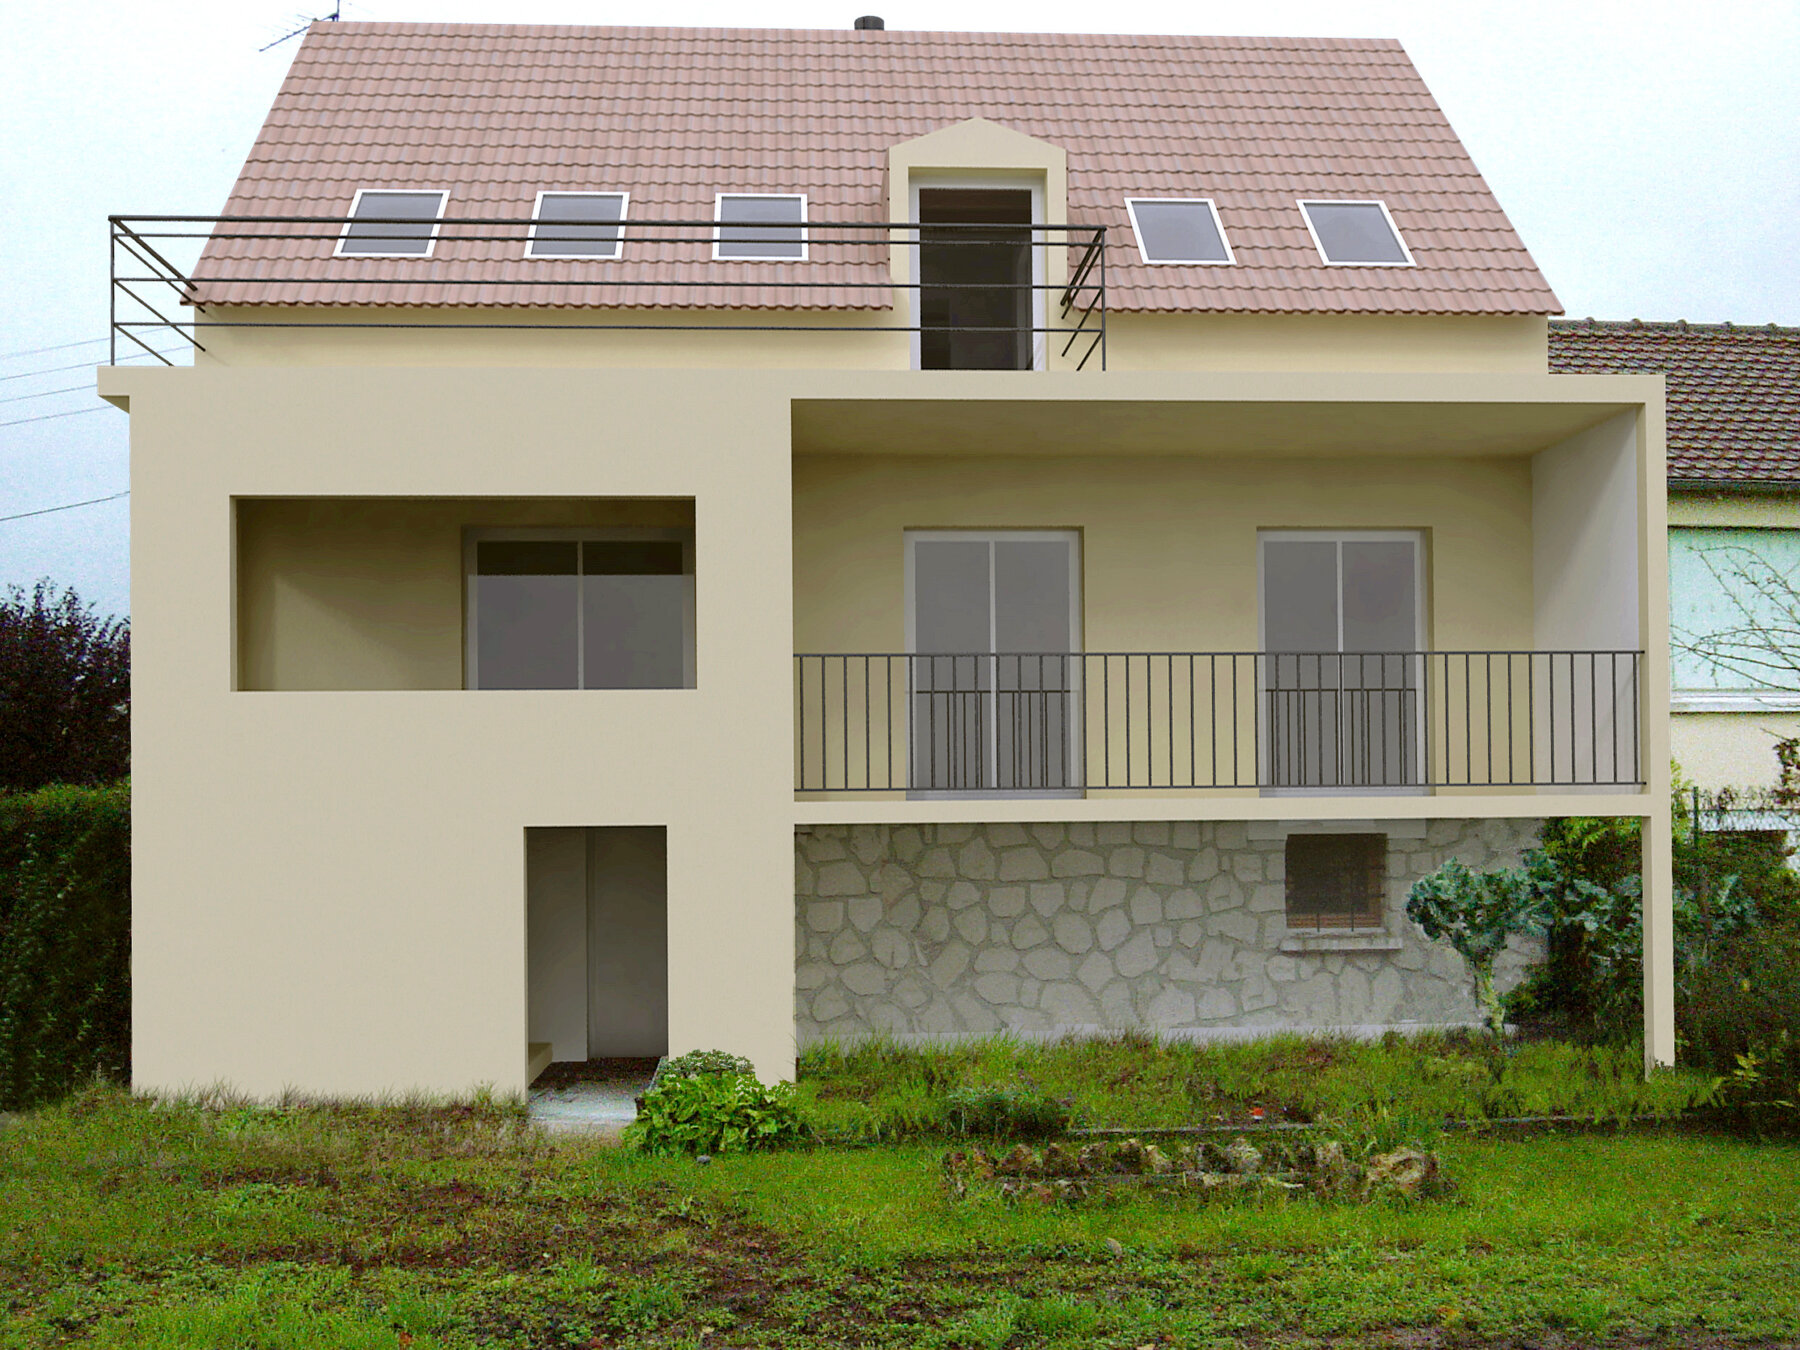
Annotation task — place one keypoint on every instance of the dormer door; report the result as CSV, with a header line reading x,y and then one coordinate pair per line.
x,y
994,665
978,270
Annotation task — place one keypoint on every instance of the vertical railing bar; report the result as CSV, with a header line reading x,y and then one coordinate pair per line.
x,y
1106,719
800,730
1512,771
1637,718
1593,717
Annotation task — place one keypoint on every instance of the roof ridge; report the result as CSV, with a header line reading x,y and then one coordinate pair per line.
x,y
1671,325
353,28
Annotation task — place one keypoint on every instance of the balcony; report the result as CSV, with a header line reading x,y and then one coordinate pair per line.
x,y
936,294
1301,723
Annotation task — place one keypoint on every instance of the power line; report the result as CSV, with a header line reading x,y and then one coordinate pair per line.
x,y
45,417
85,365
46,393
60,347
50,510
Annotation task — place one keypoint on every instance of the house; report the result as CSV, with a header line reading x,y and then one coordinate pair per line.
x,y
1734,526
702,538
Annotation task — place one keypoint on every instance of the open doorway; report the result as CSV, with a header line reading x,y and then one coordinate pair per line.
x,y
597,947
976,268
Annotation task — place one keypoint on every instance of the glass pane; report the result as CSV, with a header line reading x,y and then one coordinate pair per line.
x,y
634,630
632,557
760,227
1300,595
950,596
1380,602
525,631
1179,232
1725,579
525,558
393,238
1031,596
1355,232
585,241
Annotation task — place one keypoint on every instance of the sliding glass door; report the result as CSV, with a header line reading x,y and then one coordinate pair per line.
x,y
993,670
1342,671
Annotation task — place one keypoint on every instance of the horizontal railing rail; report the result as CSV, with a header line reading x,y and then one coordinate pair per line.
x,y
1013,723
293,268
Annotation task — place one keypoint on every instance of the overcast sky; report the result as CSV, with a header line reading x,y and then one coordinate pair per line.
x,y
1648,152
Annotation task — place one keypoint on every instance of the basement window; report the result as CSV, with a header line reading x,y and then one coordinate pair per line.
x,y
392,224
563,237
760,226
1336,880
1178,230
1355,234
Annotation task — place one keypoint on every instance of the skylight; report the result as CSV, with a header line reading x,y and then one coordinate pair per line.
x,y
1355,234
412,233
1178,230
760,225
599,240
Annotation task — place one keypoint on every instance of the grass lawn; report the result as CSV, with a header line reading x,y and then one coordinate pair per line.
x,y
124,1224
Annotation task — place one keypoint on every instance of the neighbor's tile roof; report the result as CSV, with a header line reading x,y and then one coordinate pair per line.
x,y
496,112
1733,392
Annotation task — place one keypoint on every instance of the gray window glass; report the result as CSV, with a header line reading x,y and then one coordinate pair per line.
x,y
600,240
634,631
1178,232
761,227
401,236
1380,607
1354,232
950,596
525,606
1300,596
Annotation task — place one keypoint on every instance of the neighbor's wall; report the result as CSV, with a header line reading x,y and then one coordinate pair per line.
x,y
368,593
1169,543
1172,927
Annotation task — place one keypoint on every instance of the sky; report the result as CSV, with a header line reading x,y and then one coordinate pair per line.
x,y
1648,153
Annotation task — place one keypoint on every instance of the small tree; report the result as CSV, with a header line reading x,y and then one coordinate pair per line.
x,y
65,691
1476,913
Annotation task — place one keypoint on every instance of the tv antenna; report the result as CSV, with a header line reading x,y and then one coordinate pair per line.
x,y
337,12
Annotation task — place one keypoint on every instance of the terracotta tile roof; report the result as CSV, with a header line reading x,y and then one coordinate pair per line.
x,y
495,113
1733,392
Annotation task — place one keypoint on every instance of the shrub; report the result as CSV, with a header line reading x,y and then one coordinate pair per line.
x,y
1738,1013
697,1063
716,1113
1476,912
1004,1113
65,936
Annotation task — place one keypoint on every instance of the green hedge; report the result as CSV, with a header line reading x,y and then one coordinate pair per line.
x,y
65,940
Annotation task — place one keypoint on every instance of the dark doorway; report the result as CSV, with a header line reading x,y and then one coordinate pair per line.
x,y
975,298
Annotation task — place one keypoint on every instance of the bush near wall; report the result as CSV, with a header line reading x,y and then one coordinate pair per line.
x,y
65,940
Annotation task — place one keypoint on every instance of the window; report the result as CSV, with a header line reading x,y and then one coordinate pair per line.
x,y
564,240
565,609
1336,880
760,226
409,228
1341,678
1731,590
1355,234
1178,230
993,625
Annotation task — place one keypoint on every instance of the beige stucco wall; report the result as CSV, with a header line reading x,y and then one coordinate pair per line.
x,y
329,884
1385,342
368,593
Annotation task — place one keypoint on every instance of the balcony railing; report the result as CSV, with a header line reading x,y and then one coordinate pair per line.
x,y
1043,298
1021,723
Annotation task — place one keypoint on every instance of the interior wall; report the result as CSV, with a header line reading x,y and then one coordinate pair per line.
x,y
556,936
628,941
367,592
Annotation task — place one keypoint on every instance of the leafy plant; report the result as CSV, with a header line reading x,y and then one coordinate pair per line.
x,y
1020,1112
1476,913
717,1113
697,1063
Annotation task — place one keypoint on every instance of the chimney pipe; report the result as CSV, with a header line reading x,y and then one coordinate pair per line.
x,y
869,23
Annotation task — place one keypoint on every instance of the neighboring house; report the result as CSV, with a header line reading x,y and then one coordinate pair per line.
x,y
1734,527
730,538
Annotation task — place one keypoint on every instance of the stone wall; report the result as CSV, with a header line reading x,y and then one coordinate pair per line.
x,y
1176,927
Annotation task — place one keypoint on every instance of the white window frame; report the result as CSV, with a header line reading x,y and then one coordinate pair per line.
x,y
1040,309
537,206
443,196
1304,202
1421,637
1077,743
719,228
479,534
1230,258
